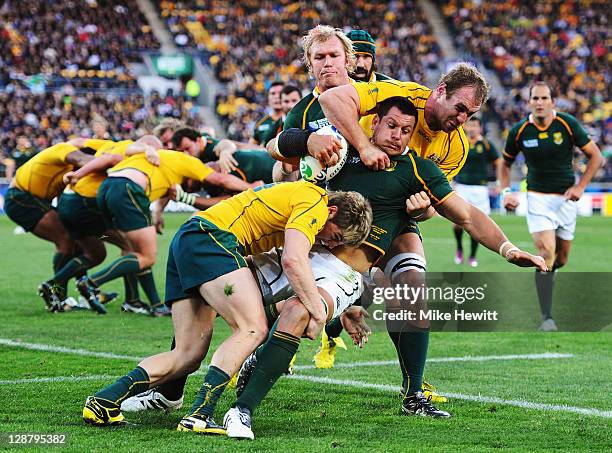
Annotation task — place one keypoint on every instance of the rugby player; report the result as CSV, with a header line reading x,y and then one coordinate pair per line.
x,y
206,263
547,139
248,165
78,211
409,184
471,181
438,137
124,199
272,123
28,202
365,57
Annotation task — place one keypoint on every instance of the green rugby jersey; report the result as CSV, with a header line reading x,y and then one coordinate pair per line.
x,y
387,191
208,153
548,152
266,129
475,169
253,165
307,114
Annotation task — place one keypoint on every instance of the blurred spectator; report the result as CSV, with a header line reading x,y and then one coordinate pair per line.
x,y
250,44
54,117
565,44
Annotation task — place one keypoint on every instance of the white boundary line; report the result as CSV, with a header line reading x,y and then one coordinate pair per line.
x,y
99,377
467,358
109,355
51,348
325,380
364,385
460,396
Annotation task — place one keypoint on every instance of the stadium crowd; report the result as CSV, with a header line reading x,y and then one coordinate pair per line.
x,y
254,43
55,82
563,43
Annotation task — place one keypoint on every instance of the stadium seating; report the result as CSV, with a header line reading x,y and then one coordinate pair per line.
x,y
561,43
58,78
252,43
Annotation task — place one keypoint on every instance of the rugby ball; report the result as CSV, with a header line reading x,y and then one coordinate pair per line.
x,y
313,171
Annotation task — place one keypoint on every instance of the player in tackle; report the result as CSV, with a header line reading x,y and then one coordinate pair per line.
x,y
207,275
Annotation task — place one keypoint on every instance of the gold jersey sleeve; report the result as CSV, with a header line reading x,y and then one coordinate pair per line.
x,y
448,150
174,167
97,144
88,185
259,217
42,175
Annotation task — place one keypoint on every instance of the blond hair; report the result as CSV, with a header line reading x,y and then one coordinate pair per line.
x,y
354,216
323,33
466,75
167,123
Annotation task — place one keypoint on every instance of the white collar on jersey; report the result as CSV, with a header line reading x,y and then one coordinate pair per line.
x,y
532,119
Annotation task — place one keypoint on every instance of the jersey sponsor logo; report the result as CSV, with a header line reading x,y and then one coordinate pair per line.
x,y
435,158
543,135
558,138
318,124
373,90
424,135
263,127
533,143
354,160
392,166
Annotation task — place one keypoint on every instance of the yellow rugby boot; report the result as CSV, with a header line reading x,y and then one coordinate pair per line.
x,y
101,412
326,355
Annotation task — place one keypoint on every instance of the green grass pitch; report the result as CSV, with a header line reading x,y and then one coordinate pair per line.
x,y
532,404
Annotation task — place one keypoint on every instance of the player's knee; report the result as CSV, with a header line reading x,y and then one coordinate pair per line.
x,y
560,261
146,260
295,316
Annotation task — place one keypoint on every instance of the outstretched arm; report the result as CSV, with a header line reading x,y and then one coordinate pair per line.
x,y
486,231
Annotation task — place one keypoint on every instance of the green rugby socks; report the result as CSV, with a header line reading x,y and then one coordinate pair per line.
x,y
133,383
214,384
272,361
122,266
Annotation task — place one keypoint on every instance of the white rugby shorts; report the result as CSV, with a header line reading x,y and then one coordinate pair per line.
x,y
343,284
550,211
475,195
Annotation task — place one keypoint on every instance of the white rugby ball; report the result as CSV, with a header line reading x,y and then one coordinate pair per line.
x,y
312,170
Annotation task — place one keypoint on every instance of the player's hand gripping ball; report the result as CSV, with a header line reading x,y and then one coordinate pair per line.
x,y
312,170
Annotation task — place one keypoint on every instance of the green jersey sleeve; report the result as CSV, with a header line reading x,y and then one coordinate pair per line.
x,y
576,131
431,179
511,150
492,152
208,154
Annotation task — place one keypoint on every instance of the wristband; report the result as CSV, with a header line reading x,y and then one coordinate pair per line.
x,y
510,248
421,215
293,142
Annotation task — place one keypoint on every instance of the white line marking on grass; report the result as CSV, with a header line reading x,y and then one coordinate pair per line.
x,y
467,358
459,396
100,377
51,348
